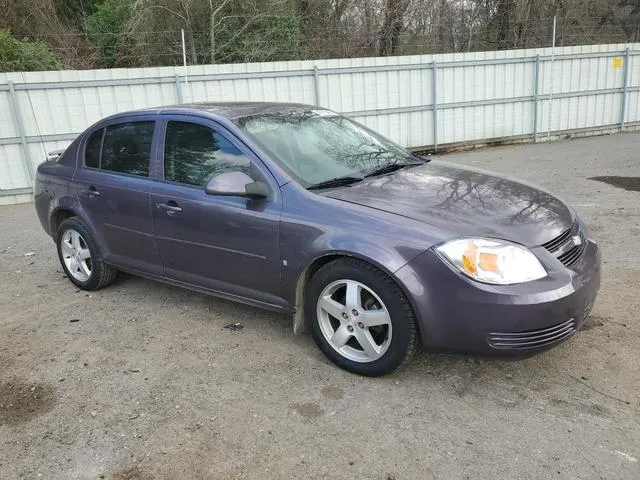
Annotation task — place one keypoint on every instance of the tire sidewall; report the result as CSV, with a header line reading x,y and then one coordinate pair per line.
x,y
76,224
394,301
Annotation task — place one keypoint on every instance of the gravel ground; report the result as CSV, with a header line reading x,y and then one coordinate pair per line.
x,y
142,381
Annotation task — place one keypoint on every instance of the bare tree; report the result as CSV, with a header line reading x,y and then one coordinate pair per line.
x,y
631,22
258,30
393,23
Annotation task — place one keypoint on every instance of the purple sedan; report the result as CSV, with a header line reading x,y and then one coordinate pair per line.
x,y
298,209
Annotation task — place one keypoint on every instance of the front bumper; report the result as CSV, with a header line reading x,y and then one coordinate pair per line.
x,y
458,314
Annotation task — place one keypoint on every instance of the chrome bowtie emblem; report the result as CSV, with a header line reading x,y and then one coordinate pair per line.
x,y
576,240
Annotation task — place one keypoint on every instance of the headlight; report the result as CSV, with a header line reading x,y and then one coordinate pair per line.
x,y
493,261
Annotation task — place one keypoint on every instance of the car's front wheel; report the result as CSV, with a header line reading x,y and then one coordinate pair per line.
x,y
360,318
79,256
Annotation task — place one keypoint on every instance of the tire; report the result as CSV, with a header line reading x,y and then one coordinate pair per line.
x,y
377,299
76,245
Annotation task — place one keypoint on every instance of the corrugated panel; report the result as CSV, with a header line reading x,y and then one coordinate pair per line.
x,y
484,122
13,173
7,125
574,93
14,199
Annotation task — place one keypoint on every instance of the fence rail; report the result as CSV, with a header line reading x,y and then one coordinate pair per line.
x,y
422,101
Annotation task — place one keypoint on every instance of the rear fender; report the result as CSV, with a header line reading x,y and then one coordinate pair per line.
x,y
71,204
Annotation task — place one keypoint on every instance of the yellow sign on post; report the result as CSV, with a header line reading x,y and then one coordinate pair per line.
x,y
618,62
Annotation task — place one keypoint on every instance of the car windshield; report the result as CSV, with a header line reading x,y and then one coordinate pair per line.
x,y
320,146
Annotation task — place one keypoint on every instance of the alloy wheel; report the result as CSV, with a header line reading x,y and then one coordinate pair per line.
x,y
354,321
76,255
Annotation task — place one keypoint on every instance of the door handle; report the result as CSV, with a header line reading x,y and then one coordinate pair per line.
x,y
91,192
171,207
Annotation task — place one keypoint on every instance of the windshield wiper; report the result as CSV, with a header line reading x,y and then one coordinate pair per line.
x,y
417,158
336,182
392,167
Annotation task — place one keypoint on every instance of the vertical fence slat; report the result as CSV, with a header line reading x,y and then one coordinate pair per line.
x,y
178,89
536,96
625,88
316,84
17,118
434,102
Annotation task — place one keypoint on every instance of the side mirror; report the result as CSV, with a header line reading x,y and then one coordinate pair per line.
x,y
236,184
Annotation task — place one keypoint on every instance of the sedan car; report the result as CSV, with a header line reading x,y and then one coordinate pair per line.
x,y
298,209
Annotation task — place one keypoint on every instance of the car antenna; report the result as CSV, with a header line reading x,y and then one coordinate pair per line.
x,y
35,119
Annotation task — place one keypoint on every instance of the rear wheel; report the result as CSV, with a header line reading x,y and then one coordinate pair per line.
x,y
360,318
80,258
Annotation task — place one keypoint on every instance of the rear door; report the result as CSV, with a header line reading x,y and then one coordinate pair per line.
x,y
227,244
113,184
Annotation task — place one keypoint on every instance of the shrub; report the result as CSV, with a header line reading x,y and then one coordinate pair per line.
x,y
23,55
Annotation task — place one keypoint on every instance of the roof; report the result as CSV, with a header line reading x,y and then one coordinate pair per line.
x,y
229,110
235,110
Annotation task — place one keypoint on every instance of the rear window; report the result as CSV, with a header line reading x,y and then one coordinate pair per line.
x,y
122,148
92,150
127,148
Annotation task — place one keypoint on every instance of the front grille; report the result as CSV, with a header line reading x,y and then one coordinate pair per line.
x,y
557,242
565,248
572,256
532,338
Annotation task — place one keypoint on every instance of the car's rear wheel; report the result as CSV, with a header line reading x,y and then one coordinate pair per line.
x,y
80,257
360,318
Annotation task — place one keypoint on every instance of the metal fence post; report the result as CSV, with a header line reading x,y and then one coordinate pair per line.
x,y
17,118
178,89
316,84
434,102
536,97
625,89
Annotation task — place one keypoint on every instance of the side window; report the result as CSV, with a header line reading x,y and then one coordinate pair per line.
x,y
92,150
194,153
127,148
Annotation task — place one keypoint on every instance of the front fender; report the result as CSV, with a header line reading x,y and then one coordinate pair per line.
x,y
315,228
387,257
384,259
303,247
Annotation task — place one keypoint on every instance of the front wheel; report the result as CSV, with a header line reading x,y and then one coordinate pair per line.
x,y
360,318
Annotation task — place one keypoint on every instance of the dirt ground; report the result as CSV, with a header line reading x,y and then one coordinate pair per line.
x,y
142,381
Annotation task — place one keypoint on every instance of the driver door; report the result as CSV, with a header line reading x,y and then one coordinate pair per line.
x,y
226,244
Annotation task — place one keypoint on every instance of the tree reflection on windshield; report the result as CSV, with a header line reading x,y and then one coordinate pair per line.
x,y
318,145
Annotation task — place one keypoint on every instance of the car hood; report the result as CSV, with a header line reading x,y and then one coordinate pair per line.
x,y
464,202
